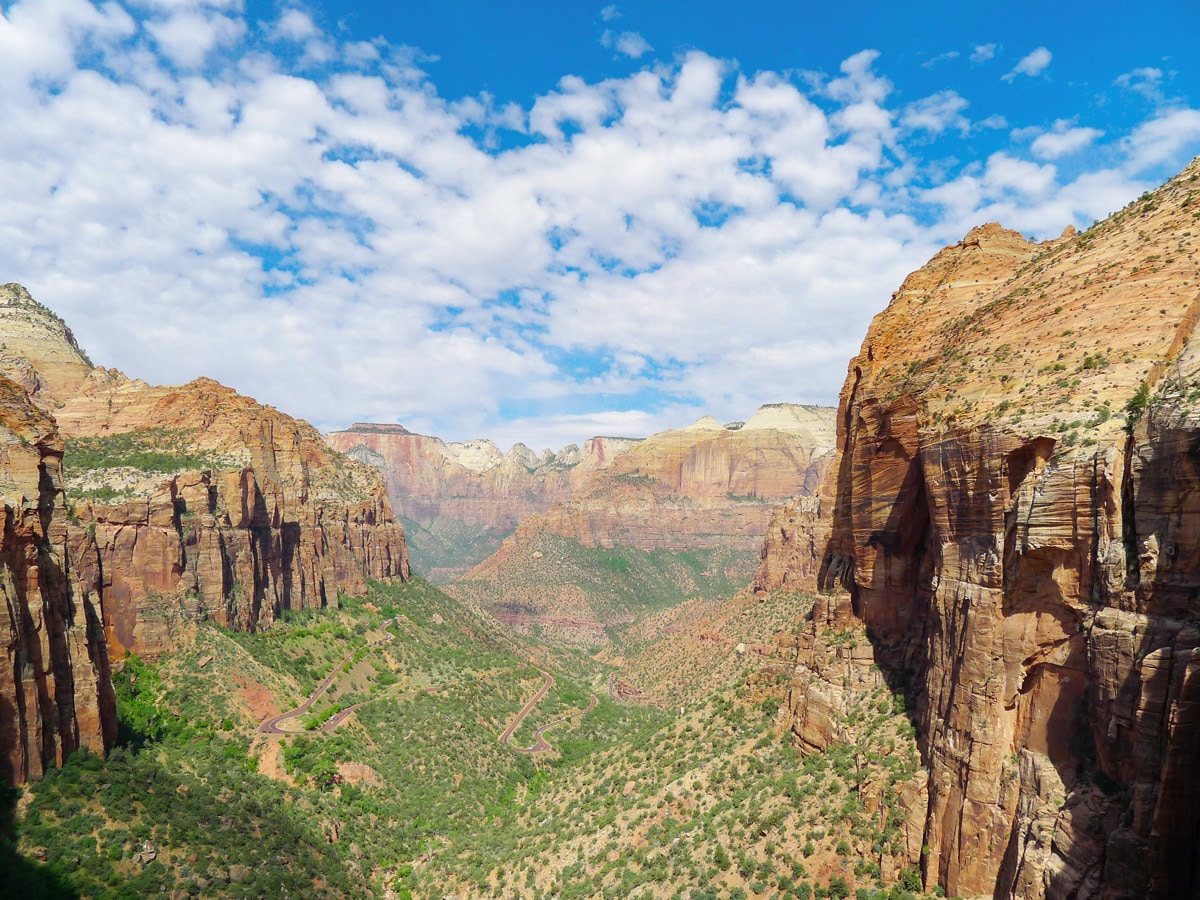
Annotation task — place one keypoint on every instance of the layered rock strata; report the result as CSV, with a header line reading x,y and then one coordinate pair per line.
x,y
683,505
472,482
702,487
1014,516
55,692
196,502
465,498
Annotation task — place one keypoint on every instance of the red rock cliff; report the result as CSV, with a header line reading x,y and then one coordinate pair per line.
x,y
55,692
464,498
700,487
195,501
275,521
1014,514
472,482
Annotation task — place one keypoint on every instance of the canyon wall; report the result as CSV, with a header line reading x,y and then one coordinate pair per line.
x,y
1014,516
704,486
55,692
462,499
195,502
678,516
473,482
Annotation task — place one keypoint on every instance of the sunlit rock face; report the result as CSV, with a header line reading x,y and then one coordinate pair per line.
x,y
1014,514
469,495
55,692
704,486
193,501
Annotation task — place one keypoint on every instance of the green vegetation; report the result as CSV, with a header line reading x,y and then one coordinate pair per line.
x,y
155,450
614,586
415,794
441,548
1136,405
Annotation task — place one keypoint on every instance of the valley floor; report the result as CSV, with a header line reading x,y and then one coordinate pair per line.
x,y
377,750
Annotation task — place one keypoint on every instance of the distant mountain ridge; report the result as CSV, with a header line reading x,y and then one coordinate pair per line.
x,y
682,512
460,499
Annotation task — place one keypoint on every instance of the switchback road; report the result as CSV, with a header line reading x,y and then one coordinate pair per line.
x,y
527,709
271,725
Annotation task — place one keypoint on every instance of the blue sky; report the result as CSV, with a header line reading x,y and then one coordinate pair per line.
x,y
544,221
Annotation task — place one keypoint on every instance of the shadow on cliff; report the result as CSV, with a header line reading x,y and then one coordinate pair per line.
x,y
19,876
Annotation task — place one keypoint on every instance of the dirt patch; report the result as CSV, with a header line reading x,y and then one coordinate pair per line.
x,y
257,699
266,749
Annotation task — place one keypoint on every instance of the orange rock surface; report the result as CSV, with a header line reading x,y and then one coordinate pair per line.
x,y
470,492
55,692
257,516
472,482
699,487
1014,513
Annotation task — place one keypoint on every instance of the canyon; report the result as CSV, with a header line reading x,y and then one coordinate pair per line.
x,y
174,505
1013,518
993,544
678,515
461,500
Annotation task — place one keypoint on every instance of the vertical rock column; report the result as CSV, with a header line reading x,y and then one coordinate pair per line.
x,y
55,692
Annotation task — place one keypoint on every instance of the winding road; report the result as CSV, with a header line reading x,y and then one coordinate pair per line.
x,y
539,744
271,725
527,709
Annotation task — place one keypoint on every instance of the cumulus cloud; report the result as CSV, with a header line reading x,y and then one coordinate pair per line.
x,y
1146,82
1063,139
983,53
330,235
1033,64
1162,138
937,113
627,43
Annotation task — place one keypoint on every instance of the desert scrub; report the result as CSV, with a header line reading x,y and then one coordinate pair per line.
x,y
154,451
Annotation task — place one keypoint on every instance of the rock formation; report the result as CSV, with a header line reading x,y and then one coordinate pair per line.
x,y
194,501
1014,515
683,505
38,350
463,499
704,486
55,692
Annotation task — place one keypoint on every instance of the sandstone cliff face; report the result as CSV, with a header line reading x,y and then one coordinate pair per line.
x,y
55,691
473,481
465,498
37,349
682,505
704,486
195,501
1028,569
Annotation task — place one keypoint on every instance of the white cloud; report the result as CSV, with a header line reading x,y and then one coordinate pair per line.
x,y
340,241
936,114
187,37
983,53
1033,64
1063,140
295,25
627,43
609,13
941,57
1162,139
1145,81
